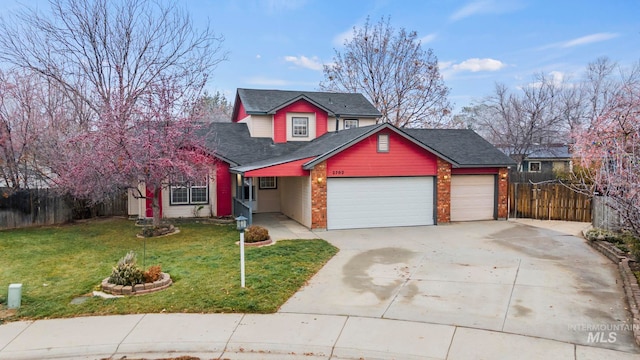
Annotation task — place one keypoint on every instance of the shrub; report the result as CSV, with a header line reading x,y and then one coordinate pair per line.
x,y
152,274
126,273
255,233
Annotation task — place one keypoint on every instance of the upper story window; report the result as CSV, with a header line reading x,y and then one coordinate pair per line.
x,y
350,123
188,193
383,143
534,166
300,126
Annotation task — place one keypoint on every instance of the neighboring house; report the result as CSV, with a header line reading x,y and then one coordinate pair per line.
x,y
549,159
322,160
554,158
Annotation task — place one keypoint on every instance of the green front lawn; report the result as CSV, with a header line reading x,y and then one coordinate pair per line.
x,y
58,264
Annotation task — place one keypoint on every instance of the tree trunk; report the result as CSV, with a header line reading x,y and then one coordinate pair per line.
x,y
155,206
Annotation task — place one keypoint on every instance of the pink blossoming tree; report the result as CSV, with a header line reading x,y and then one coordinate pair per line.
x,y
609,152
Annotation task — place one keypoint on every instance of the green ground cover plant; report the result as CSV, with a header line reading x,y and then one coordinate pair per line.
x,y
58,264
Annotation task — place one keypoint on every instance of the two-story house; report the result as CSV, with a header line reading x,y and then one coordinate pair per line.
x,y
323,160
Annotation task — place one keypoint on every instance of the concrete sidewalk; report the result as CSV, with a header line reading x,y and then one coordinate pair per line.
x,y
274,336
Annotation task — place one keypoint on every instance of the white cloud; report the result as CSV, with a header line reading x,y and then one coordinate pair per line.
x,y
556,78
428,38
312,63
258,56
340,39
584,40
480,7
476,64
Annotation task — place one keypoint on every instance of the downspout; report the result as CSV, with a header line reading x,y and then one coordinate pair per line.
x,y
337,122
250,220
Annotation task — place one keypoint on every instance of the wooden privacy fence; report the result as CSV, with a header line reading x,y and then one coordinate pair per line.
x,y
36,207
548,202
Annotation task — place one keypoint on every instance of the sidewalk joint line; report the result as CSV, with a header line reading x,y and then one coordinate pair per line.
x,y
455,330
513,287
406,281
333,348
127,335
17,335
226,345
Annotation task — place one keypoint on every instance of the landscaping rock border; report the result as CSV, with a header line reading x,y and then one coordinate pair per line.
x,y
267,242
629,280
138,289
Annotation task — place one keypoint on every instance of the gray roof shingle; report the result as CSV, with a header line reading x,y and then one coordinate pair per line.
x,y
233,143
257,101
465,147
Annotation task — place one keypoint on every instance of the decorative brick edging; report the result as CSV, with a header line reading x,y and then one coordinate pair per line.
x,y
258,243
138,289
632,290
629,281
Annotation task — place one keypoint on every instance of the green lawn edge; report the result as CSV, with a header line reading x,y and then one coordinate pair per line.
x,y
59,263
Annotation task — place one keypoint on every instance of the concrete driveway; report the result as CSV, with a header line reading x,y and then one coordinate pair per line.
x,y
499,276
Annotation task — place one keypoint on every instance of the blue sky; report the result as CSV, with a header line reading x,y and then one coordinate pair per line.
x,y
282,44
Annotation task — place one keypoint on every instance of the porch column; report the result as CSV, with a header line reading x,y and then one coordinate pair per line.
x,y
503,193
443,192
319,196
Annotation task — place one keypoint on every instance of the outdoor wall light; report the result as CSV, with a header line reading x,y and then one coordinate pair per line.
x,y
504,175
319,180
445,177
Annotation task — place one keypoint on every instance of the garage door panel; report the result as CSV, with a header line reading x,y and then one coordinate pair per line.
x,y
472,197
379,202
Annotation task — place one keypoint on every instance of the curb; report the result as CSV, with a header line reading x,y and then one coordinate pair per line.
x,y
629,280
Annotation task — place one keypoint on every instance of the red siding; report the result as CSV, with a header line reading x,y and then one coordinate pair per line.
x,y
293,168
280,127
473,171
149,203
242,113
363,159
300,106
223,189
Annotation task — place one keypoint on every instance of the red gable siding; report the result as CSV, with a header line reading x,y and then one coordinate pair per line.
x,y
242,113
300,106
473,171
363,159
223,189
293,168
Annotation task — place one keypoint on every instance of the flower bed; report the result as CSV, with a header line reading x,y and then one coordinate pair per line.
x,y
139,289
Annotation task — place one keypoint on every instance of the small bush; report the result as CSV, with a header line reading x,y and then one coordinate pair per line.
x,y
126,273
152,274
255,233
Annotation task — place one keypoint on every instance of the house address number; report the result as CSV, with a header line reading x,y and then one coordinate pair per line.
x,y
337,172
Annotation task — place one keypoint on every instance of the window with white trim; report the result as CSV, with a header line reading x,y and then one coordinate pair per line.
x,y
383,143
535,166
189,193
300,126
268,182
350,123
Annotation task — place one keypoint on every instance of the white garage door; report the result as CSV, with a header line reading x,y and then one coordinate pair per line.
x,y
379,202
472,197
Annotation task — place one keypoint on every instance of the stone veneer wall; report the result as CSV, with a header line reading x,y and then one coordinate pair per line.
x,y
443,184
319,196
